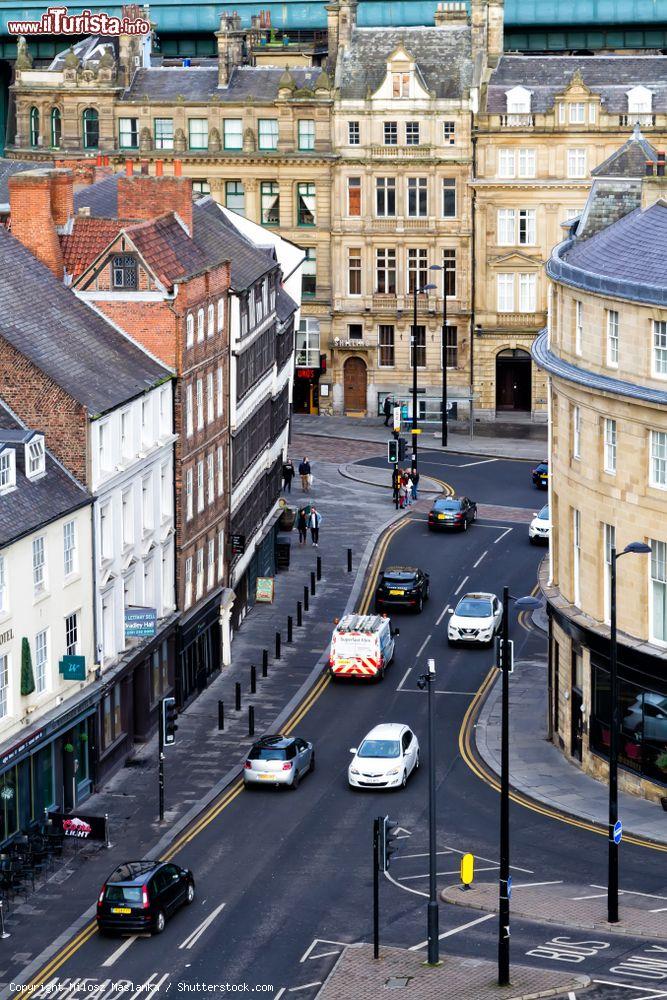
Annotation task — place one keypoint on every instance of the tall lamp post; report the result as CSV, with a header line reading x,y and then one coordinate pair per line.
x,y
432,921
443,416
523,603
416,291
612,875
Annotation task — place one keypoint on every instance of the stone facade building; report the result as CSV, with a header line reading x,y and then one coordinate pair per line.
x,y
604,353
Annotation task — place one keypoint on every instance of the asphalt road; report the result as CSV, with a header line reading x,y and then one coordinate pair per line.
x,y
284,878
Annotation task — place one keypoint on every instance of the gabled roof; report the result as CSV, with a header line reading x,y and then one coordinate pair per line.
x,y
167,248
219,240
443,57
629,160
90,359
86,241
34,502
609,76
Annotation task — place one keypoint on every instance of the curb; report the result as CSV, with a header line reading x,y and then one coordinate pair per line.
x,y
594,925
174,831
345,471
445,451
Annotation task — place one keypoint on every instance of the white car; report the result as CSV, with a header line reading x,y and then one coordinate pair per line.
x,y
385,759
476,618
540,527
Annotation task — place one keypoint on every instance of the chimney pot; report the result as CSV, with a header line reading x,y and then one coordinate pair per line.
x,y
105,160
159,168
129,168
661,154
649,168
178,168
98,161
144,167
661,168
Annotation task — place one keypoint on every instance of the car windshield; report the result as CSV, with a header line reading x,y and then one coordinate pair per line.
x,y
448,505
380,748
268,753
123,894
471,607
544,513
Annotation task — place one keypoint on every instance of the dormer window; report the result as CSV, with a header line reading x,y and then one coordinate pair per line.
x,y
400,84
640,105
35,459
518,106
124,271
7,470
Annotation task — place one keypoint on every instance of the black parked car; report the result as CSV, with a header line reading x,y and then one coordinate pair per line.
x,y
452,512
141,895
540,475
402,587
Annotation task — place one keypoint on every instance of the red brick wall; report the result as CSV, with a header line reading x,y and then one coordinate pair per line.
x,y
152,324
32,217
45,406
62,197
143,197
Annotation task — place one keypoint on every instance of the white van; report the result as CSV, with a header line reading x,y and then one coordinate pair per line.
x,y
362,646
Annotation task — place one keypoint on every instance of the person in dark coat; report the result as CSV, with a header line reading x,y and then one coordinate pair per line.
x,y
302,525
415,484
387,410
288,475
304,472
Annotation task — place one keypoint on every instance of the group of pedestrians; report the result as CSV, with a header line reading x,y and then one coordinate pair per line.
x,y
405,486
308,518
304,471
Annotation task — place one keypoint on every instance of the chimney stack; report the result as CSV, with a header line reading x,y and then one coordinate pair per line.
x,y
142,197
40,200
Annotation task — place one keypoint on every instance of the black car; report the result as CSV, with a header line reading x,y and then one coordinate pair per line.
x,y
452,512
540,475
140,896
402,587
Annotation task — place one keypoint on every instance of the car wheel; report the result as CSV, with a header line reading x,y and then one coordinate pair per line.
x,y
465,524
474,514
405,779
295,780
420,606
427,593
190,894
417,762
311,766
159,922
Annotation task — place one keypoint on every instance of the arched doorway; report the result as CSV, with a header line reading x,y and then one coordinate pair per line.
x,y
513,380
354,382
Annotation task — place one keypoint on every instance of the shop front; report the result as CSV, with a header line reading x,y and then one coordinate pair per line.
x,y
199,649
309,366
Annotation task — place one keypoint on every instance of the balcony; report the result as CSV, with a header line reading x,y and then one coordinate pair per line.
x,y
384,303
517,121
525,319
401,152
636,117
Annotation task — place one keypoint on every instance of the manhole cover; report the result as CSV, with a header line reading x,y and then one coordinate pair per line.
x,y
397,982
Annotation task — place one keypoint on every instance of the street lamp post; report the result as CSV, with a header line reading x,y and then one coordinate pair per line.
x,y
524,603
417,291
432,921
612,875
443,348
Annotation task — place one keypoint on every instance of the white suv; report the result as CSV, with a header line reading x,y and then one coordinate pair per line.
x,y
476,618
540,527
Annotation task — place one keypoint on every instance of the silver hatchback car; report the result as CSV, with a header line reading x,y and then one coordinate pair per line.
x,y
278,760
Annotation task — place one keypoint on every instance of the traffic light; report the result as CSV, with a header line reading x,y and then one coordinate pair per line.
x,y
169,724
387,838
402,444
393,451
500,660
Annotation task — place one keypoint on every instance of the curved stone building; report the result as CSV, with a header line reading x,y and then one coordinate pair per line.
x,y
605,352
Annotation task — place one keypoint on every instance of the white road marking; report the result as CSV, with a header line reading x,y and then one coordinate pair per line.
x,y
306,986
120,950
500,537
442,614
662,909
409,878
279,993
631,986
571,996
485,552
424,643
490,861
402,857
630,892
406,888
405,677
597,895
460,586
344,944
454,930
531,885
192,938
418,691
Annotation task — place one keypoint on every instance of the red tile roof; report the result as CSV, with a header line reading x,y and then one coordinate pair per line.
x,y
167,248
87,240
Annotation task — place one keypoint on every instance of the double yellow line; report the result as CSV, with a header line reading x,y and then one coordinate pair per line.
x,y
235,789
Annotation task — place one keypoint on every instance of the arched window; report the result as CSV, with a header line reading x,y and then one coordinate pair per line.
x,y
56,127
200,324
91,129
34,126
190,327
211,320
221,314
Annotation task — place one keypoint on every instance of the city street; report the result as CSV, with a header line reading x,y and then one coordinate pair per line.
x,y
284,879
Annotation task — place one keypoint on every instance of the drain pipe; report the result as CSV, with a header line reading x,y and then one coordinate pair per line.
x,y
473,222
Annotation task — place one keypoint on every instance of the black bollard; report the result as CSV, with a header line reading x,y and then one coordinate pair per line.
x,y
277,645
312,584
349,560
265,663
289,628
251,721
299,614
238,697
253,679
319,567
305,598
221,715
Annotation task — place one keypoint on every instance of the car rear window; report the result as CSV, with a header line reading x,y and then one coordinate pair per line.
x,y
474,609
269,753
448,505
123,894
399,577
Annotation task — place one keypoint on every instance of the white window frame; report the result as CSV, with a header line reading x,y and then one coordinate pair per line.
x,y
210,575
189,330
187,597
608,543
200,403
189,500
5,672
221,470
221,554
7,470
210,477
189,417
199,573
578,326
659,348
39,566
576,432
577,113
210,320
505,292
658,579
70,549
577,163
200,326
221,314
527,292
210,398
613,329
42,643
35,455
220,401
576,557
610,445
658,460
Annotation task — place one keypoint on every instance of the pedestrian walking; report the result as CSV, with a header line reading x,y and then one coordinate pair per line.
x,y
288,475
314,521
302,525
387,410
415,484
304,472
408,489
401,494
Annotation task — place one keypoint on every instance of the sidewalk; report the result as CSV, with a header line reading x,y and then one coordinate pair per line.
x,y
357,976
204,761
381,478
490,439
541,771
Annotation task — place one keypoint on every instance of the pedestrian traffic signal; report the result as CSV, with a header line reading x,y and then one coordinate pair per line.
x,y
401,448
169,724
388,830
392,451
500,654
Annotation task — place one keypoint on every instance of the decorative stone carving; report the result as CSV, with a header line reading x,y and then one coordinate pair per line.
x,y
323,83
214,143
23,57
71,59
180,143
145,139
286,85
249,144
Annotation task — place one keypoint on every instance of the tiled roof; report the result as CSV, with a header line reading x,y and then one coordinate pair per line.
x,y
10,167
285,305
88,238
629,160
200,83
609,76
101,198
67,340
609,200
167,248
443,56
35,502
219,240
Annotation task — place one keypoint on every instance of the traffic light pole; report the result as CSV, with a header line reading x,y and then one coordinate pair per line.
x,y
376,888
432,922
160,773
504,900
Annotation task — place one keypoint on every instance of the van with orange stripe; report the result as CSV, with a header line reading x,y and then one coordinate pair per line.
x,y
362,647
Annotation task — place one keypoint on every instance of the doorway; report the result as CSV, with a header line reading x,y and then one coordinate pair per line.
x,y
355,381
513,381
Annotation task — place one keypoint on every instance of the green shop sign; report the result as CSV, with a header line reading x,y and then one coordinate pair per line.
x,y
73,668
